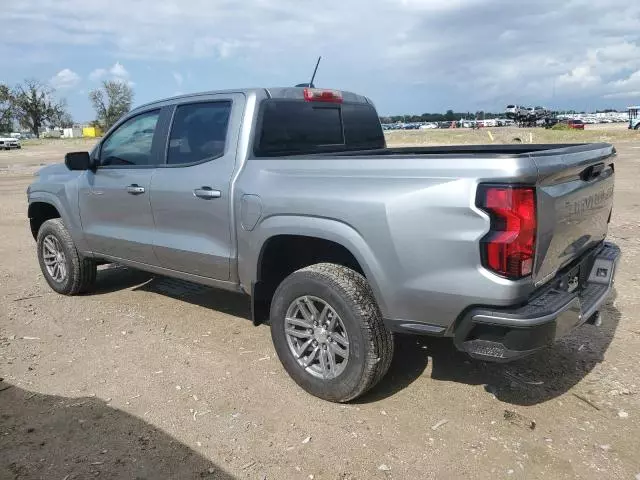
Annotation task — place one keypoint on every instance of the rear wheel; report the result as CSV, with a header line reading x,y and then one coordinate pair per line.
x,y
63,268
328,332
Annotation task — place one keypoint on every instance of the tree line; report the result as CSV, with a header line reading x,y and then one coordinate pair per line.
x,y
451,116
33,105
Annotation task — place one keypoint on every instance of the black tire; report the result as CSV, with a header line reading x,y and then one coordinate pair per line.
x,y
80,272
370,343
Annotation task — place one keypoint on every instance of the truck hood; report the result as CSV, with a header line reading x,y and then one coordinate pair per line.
x,y
52,175
55,170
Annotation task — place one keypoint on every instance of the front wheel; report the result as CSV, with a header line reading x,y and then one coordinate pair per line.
x,y
63,268
328,332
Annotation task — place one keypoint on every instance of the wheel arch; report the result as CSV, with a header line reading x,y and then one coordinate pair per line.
x,y
40,211
303,241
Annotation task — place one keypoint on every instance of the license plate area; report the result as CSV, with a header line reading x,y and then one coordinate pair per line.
x,y
572,280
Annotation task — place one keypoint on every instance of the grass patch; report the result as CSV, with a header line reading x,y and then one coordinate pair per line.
x,y
508,135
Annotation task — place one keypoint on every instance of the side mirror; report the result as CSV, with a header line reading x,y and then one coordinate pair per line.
x,y
77,161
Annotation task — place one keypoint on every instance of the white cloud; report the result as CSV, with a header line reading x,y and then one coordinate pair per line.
x,y
115,72
627,87
65,79
118,71
472,52
624,95
580,77
97,74
178,78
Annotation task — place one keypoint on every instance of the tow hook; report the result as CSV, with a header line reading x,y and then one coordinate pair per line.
x,y
595,319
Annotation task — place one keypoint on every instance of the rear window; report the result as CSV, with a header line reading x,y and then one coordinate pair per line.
x,y
290,127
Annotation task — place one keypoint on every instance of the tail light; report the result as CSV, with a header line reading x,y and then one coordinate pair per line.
x,y
321,95
509,247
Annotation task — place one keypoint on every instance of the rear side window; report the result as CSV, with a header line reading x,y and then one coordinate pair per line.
x,y
290,127
199,132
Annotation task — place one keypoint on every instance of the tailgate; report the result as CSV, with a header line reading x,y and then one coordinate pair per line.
x,y
574,199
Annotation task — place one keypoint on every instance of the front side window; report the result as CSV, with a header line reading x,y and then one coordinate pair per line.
x,y
199,132
130,143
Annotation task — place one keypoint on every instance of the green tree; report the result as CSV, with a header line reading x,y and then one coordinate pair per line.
x,y
61,119
111,101
449,116
6,108
35,105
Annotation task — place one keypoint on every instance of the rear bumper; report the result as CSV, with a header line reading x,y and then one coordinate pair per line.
x,y
503,335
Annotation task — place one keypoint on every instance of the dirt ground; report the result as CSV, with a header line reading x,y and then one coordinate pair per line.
x,y
151,378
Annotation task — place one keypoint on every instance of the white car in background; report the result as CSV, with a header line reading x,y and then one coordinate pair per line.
x,y
7,143
515,111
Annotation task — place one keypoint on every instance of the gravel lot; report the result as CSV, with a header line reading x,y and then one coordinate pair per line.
x,y
151,378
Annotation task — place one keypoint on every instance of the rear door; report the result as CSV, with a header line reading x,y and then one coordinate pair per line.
x,y
115,209
191,193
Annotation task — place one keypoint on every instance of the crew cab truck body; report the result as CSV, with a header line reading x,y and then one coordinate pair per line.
x,y
291,196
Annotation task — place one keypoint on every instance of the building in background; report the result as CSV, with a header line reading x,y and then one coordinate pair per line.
x,y
74,132
92,132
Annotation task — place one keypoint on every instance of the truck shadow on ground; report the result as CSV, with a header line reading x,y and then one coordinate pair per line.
x,y
47,436
529,381
115,278
532,380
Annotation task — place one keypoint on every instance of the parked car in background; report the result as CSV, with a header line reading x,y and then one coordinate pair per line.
x,y
7,143
515,111
574,124
540,112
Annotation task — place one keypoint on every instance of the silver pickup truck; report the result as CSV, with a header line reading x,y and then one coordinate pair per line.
x,y
290,196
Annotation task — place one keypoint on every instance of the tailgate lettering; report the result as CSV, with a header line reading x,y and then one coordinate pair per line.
x,y
592,202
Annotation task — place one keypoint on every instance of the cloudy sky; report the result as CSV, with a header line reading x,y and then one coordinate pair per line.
x,y
409,56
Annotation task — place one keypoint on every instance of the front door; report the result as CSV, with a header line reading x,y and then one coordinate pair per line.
x,y
190,195
115,209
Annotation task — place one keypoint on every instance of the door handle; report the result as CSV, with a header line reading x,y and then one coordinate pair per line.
x,y
207,193
135,189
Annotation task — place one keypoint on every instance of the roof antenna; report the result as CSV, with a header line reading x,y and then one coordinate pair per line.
x,y
310,84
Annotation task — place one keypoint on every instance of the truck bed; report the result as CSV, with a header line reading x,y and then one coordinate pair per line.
x,y
484,150
573,182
